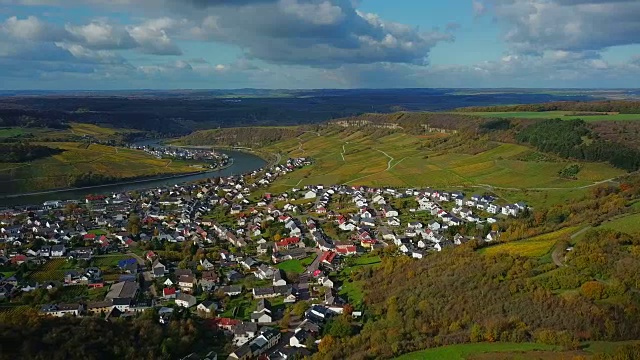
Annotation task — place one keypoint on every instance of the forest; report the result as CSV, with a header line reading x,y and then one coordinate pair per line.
x,y
28,335
245,137
618,106
23,152
572,139
461,296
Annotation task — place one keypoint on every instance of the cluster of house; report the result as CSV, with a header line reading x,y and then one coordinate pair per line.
x,y
103,224
210,156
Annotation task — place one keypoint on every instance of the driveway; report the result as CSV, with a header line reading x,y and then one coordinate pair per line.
x,y
315,264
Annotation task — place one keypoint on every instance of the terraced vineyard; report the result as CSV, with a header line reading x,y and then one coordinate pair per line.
x,y
78,158
533,247
403,160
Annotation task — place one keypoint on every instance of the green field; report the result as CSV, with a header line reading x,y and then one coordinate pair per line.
x,y
511,351
367,260
402,160
462,352
295,266
55,171
566,115
533,247
9,132
628,224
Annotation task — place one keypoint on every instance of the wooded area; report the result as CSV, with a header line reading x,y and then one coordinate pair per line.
x,y
28,335
572,139
618,106
22,152
460,296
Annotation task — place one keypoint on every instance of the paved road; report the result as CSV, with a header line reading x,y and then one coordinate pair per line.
x,y
315,264
558,254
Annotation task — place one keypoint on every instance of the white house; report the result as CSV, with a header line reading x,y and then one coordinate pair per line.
x,y
185,300
58,250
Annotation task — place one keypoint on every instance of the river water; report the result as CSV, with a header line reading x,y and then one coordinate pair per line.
x,y
242,163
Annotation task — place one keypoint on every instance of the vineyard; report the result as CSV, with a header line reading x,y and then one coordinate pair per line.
x,y
53,270
15,310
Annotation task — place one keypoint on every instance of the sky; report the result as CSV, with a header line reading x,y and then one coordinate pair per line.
x,y
304,44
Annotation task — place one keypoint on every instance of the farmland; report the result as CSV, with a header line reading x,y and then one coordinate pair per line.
x,y
565,115
57,171
532,247
403,160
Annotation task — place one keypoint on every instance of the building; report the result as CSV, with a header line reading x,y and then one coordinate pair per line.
x,y
185,300
61,310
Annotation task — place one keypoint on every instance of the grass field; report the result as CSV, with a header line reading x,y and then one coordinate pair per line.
x,y
9,132
462,352
243,306
402,160
367,260
295,266
55,171
353,291
533,247
566,115
514,351
628,224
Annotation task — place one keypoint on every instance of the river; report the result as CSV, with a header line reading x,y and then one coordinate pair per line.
x,y
242,163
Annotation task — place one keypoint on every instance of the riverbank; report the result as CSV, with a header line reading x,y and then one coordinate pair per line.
x,y
270,158
126,182
121,183
242,163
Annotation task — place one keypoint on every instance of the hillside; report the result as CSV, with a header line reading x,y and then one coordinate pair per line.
x,y
173,113
81,164
461,296
240,137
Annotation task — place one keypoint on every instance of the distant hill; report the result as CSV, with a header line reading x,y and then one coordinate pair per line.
x,y
182,111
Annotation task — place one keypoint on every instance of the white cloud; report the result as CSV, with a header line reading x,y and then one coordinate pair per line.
x,y
533,26
101,35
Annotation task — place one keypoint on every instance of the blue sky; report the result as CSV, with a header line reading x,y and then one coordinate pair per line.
x,y
169,44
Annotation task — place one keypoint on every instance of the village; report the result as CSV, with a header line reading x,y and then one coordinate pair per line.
x,y
270,270
214,159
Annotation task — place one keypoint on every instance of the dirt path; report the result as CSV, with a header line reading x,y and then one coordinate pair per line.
x,y
390,159
394,165
344,150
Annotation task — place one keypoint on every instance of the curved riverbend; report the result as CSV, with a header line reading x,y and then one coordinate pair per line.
x,y
243,162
